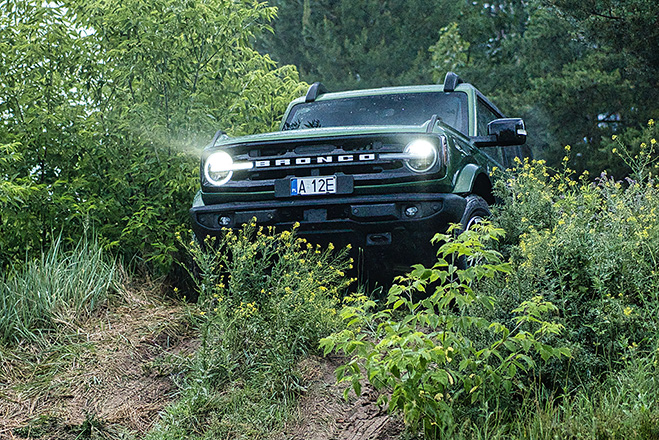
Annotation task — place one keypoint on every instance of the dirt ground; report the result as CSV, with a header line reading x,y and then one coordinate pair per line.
x,y
114,377
107,378
324,414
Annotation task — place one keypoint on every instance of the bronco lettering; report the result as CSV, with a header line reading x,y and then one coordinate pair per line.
x,y
367,157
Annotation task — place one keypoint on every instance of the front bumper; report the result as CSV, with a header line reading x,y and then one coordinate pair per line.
x,y
382,226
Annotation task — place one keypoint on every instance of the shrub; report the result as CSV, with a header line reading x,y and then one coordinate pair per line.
x,y
440,354
101,130
591,248
265,300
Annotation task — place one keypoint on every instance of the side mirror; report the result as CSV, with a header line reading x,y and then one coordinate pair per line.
x,y
503,132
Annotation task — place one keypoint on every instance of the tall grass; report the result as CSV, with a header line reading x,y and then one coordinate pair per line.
x,y
625,406
56,291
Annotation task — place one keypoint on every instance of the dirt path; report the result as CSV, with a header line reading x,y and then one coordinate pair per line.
x,y
324,414
113,378
108,378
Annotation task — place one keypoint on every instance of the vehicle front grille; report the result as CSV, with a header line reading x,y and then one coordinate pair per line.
x,y
364,157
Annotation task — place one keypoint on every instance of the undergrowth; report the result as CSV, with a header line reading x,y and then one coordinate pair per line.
x,y
53,293
592,248
440,357
471,360
265,301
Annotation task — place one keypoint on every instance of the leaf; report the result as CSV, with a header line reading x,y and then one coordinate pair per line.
x,y
512,370
357,386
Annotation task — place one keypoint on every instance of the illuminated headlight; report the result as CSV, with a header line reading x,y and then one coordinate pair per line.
x,y
218,168
421,155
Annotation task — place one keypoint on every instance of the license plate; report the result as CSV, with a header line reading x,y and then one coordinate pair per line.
x,y
313,186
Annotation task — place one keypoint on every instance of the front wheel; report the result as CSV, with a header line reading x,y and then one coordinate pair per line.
x,y
475,212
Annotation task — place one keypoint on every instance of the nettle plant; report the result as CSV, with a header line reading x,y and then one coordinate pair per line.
x,y
439,354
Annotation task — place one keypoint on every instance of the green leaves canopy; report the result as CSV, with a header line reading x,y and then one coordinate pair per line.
x,y
108,103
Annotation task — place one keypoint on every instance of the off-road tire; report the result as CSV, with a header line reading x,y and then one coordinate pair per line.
x,y
475,211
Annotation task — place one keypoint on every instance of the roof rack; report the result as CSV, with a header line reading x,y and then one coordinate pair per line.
x,y
315,90
451,81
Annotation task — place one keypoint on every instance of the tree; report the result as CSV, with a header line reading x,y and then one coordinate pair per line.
x,y
576,71
110,102
357,45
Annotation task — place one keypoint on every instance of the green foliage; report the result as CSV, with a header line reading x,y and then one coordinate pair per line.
x,y
591,249
348,45
618,23
638,150
104,107
57,291
10,191
575,71
266,300
625,406
439,355
449,54
187,70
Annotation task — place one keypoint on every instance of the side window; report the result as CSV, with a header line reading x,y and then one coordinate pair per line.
x,y
484,116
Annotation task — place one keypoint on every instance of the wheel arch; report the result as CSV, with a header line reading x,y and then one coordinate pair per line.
x,y
473,179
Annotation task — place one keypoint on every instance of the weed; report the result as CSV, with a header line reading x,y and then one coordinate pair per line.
x,y
57,291
265,301
439,356
592,249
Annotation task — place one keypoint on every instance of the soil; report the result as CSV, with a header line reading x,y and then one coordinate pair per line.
x,y
107,379
115,377
324,414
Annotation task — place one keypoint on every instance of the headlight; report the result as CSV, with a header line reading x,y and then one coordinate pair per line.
x,y
422,155
218,168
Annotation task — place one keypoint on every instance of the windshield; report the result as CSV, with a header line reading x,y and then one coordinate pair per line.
x,y
392,109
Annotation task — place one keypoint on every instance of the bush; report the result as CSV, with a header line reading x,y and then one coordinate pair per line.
x,y
101,130
440,356
265,300
592,249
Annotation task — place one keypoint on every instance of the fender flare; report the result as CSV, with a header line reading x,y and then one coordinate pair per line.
x,y
466,182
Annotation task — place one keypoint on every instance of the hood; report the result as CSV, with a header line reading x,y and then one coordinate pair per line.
x,y
320,133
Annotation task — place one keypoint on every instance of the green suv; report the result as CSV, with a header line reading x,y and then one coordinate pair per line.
x,y
381,169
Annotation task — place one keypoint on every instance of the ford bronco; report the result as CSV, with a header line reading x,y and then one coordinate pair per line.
x,y
381,169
